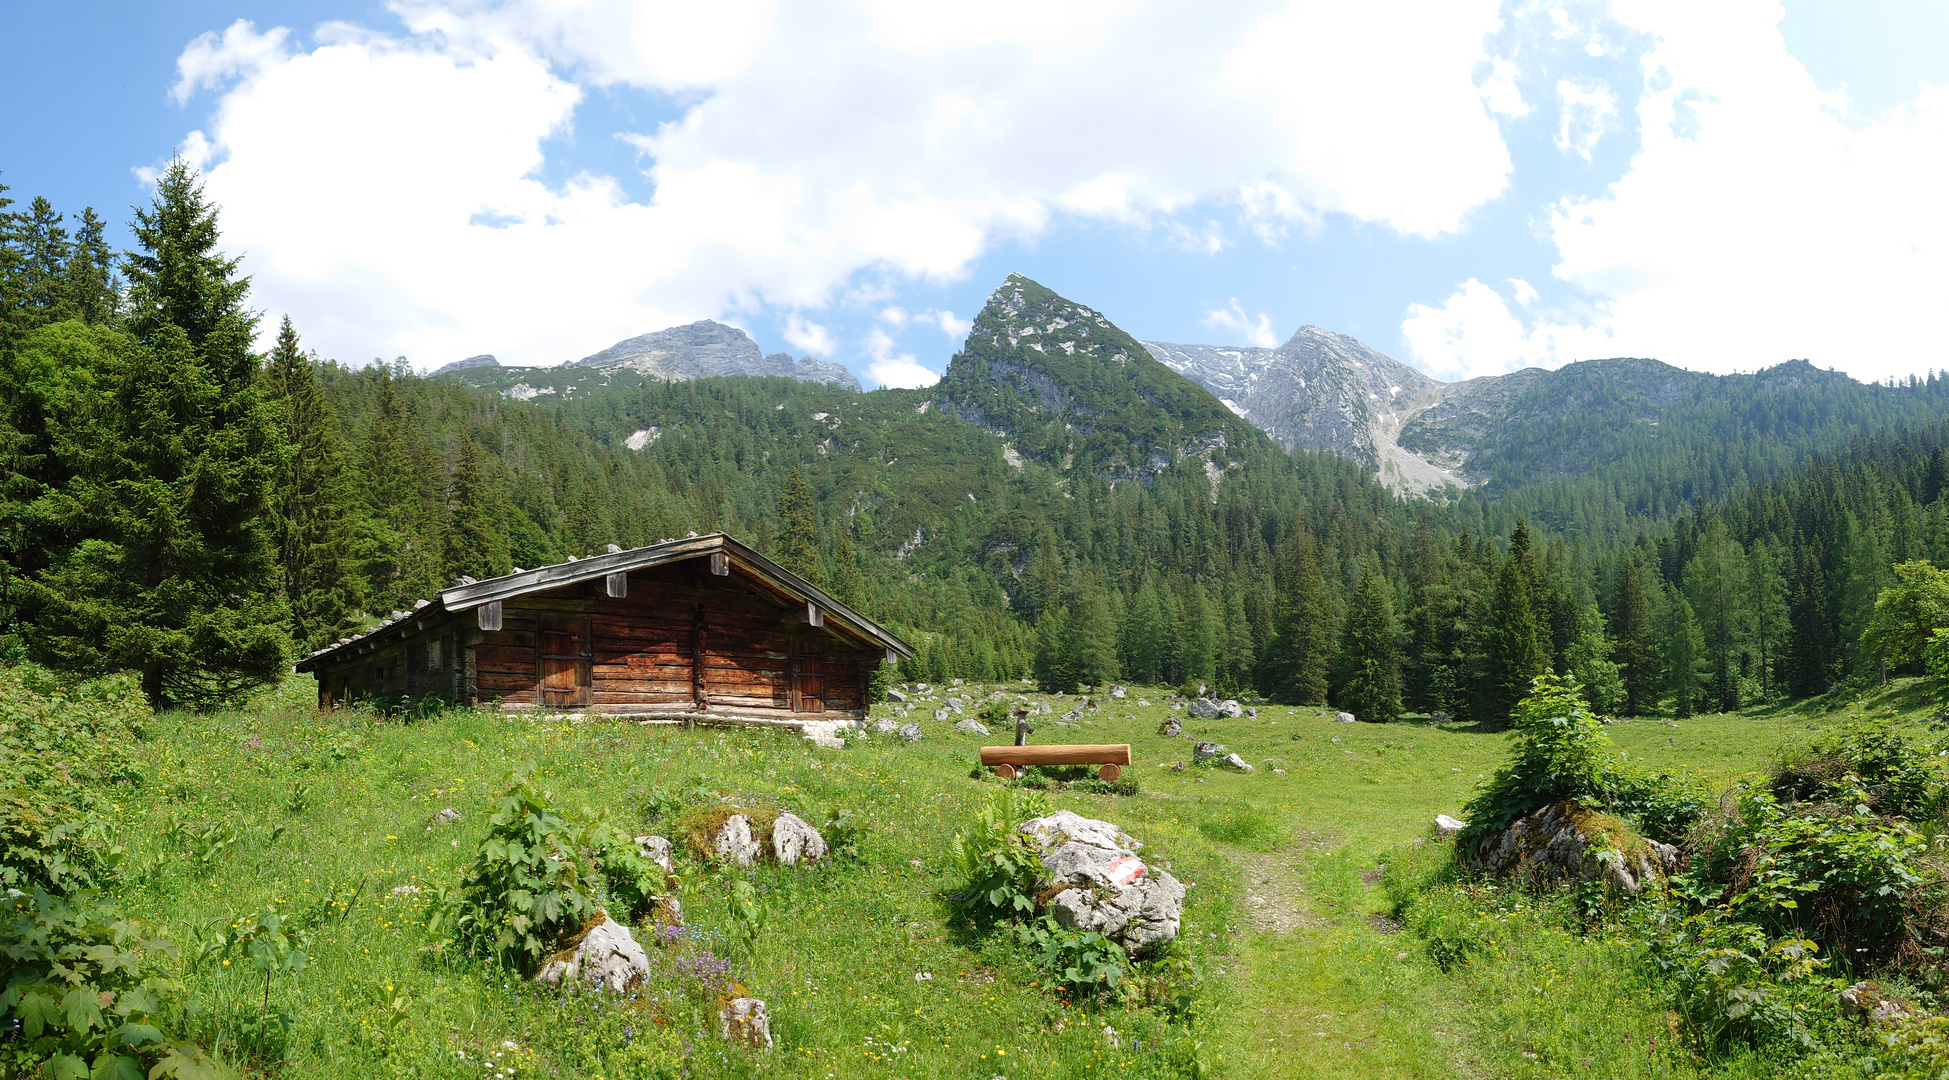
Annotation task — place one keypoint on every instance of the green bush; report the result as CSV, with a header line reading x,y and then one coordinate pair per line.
x,y
1663,806
1865,761
998,864
1732,982
60,744
88,994
1558,753
1844,878
539,876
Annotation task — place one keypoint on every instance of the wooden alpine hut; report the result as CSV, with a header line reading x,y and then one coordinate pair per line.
x,y
702,629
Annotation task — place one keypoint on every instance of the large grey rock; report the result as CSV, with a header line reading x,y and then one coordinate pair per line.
x,y
745,1022
1207,751
1564,842
1233,761
1344,718
657,850
732,843
707,349
1172,727
941,714
909,732
971,727
1205,709
1119,693
607,956
896,695
794,840
1867,1002
1446,826
1101,885
955,703
884,726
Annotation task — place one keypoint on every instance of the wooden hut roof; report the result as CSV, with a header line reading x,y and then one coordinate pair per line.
x,y
784,586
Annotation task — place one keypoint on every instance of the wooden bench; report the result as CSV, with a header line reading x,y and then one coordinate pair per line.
x,y
1008,761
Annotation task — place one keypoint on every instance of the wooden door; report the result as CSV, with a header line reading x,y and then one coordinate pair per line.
x,y
565,658
808,676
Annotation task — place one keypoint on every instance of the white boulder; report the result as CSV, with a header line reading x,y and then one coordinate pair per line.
x,y
1102,885
1446,826
971,727
657,850
745,1022
606,955
732,843
1344,718
794,840
909,732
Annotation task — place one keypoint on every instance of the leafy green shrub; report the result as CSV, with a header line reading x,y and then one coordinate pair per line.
x,y
1662,805
539,876
1559,753
1865,761
1844,878
88,994
1731,981
1083,960
999,865
60,743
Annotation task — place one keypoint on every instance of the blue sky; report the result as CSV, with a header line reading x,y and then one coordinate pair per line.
x,y
1470,188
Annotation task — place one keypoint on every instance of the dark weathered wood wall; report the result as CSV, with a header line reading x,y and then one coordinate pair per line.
x,y
645,650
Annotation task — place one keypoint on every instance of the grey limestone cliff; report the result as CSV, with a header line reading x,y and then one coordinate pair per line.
x,y
483,360
1321,391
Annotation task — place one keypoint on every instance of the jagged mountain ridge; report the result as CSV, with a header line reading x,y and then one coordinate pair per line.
x,y
701,350
1326,391
1062,385
1321,391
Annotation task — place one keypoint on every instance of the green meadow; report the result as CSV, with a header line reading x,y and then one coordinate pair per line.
x,y
1295,967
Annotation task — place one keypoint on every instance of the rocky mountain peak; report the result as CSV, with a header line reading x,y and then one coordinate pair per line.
x,y
709,349
483,360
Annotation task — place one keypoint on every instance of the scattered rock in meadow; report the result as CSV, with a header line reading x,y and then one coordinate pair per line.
x,y
745,1022
1344,718
896,695
1567,842
1205,709
604,955
956,704
794,840
971,727
657,850
921,688
732,843
1101,885
940,714
1446,826
884,726
1206,751
909,732
446,817
1119,692
1867,1002
1233,761
1143,703
1172,727
1252,711
1438,717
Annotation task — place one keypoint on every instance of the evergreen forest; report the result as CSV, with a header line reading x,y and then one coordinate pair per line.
x,y
178,502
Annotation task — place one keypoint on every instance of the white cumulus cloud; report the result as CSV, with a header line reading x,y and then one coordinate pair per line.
x,y
1233,320
389,188
809,336
888,367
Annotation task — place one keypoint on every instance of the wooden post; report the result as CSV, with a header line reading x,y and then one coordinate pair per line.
x,y
813,616
720,564
699,689
488,615
617,584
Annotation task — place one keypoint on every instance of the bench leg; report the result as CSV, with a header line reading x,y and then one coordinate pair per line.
x,y
1109,773
1007,772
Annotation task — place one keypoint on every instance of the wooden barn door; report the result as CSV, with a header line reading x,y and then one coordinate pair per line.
x,y
808,676
565,658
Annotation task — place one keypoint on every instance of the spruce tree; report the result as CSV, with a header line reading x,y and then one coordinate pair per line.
x,y
172,571
1297,659
314,517
1367,674
1683,650
1636,653
1516,653
796,547
1811,644
477,542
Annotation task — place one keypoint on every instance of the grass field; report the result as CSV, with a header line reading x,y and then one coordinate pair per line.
x,y
282,809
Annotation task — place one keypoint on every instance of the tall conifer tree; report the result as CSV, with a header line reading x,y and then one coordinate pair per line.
x,y
314,519
797,546
1516,652
1637,643
1297,659
1367,673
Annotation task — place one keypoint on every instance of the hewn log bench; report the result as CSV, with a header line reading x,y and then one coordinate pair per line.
x,y
1007,761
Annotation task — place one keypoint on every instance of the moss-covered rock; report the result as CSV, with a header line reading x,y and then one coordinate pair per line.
x,y
1566,842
